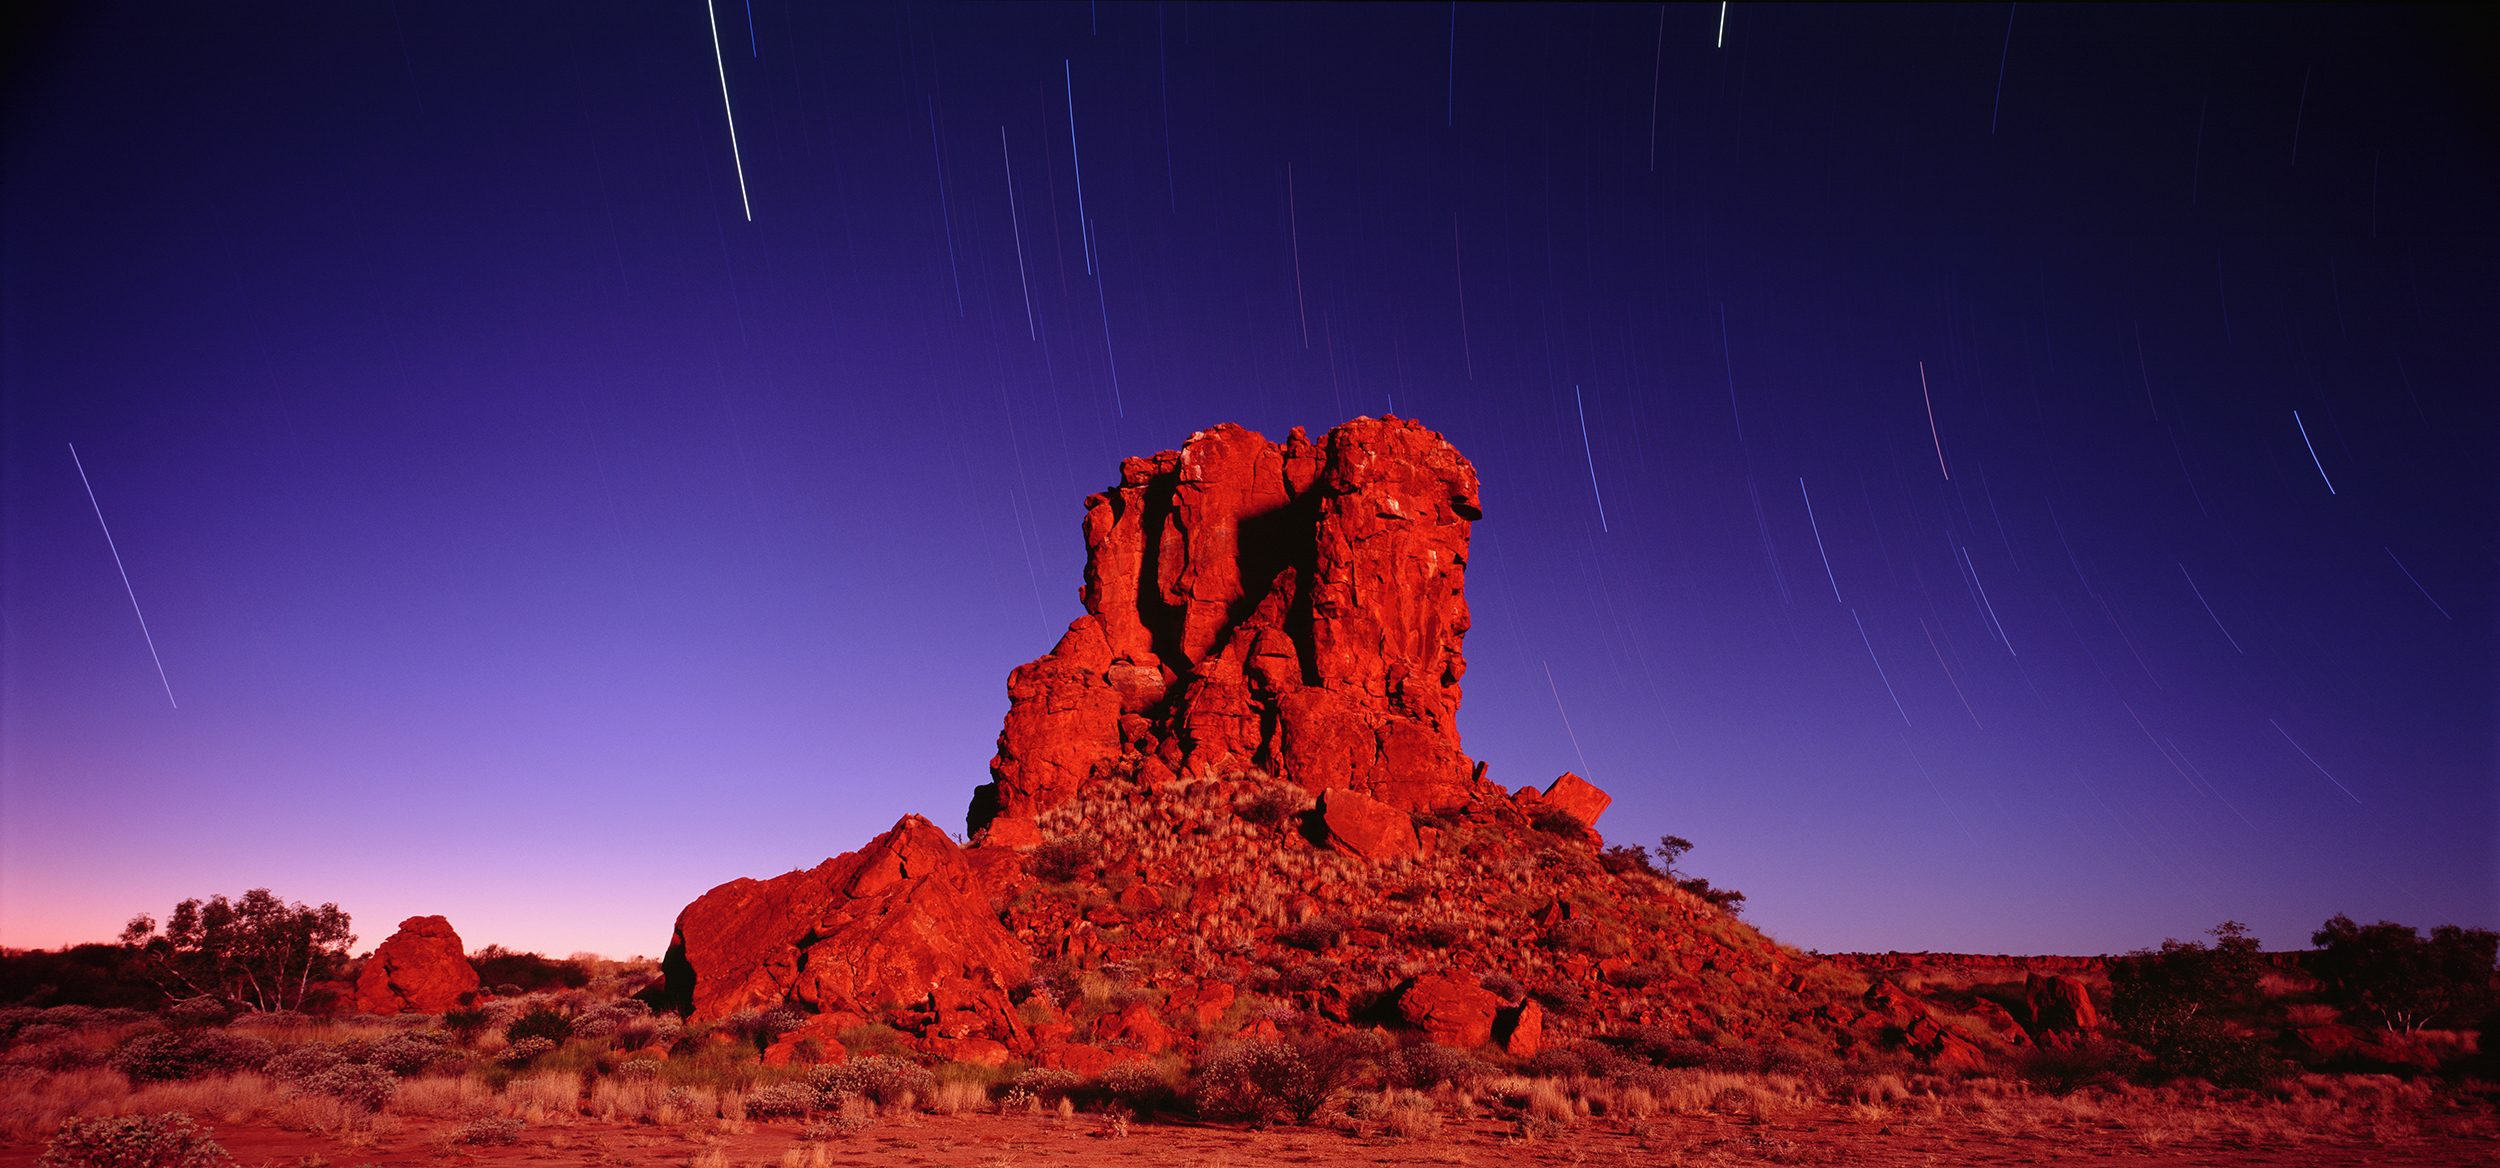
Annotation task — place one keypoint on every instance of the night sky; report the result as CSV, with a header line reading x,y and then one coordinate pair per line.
x,y
2004,480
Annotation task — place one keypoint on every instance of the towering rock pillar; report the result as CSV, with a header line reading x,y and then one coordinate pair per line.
x,y
1292,606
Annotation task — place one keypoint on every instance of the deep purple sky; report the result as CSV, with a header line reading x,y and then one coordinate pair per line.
x,y
529,537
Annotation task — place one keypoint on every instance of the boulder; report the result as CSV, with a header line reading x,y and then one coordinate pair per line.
x,y
1360,825
1579,797
2058,1004
899,922
1450,1011
421,969
1297,607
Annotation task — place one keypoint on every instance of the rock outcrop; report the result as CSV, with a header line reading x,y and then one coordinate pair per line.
x,y
1294,607
1231,805
421,969
905,923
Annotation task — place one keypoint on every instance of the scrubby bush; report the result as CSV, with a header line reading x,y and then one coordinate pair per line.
x,y
1297,1076
1141,1087
494,1129
527,1051
540,1022
1065,858
304,1062
884,1078
1435,934
368,1087
1271,807
1047,1084
173,1055
1429,1064
1504,986
763,1027
2064,1070
407,1055
513,974
782,1101
1320,932
1623,858
170,1140
2166,1001
466,1024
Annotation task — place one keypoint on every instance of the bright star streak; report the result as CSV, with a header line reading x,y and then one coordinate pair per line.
x,y
2330,777
1930,399
1722,24
1818,543
117,566
1584,450
2313,451
732,114
1879,668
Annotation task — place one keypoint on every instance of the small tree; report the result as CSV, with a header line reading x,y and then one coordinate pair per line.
x,y
2390,970
1671,849
259,950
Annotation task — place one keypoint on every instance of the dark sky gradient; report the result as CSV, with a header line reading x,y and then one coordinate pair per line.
x,y
530,537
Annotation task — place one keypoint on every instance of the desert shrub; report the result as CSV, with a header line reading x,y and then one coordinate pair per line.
x,y
1555,821
782,1100
1562,997
204,1010
366,1086
1320,932
304,1062
1436,934
170,1140
493,1129
1064,858
1428,1064
526,1051
540,1022
513,974
1624,858
1298,1075
608,1019
407,1055
189,1054
763,1027
1726,900
884,1078
1410,1117
1633,977
1271,807
2064,1070
1141,1087
466,1024
1504,986
1047,1084
2166,1002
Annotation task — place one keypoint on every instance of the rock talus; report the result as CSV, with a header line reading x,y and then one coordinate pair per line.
x,y
421,969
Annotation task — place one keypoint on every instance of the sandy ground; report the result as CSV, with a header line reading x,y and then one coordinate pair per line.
x,y
987,1141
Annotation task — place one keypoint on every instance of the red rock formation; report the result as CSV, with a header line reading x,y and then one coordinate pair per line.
x,y
1363,826
1294,607
1451,1011
420,970
906,921
1578,797
2058,1004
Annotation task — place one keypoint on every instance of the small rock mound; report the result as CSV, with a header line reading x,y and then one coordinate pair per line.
x,y
421,969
